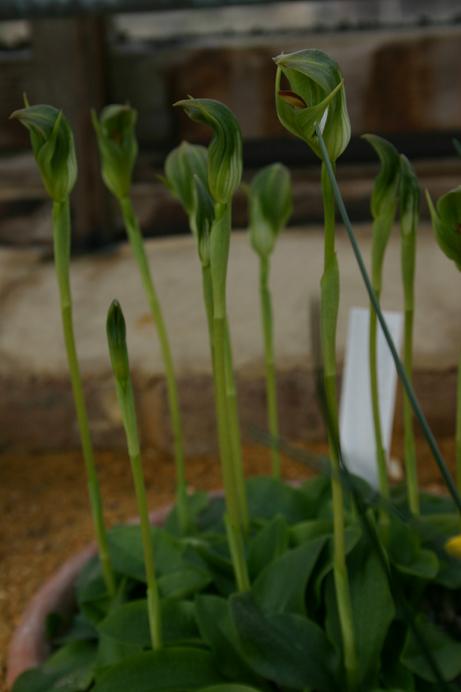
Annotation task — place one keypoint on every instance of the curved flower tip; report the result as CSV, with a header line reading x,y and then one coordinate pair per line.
x,y
315,98
181,165
453,546
386,185
410,197
116,339
53,146
446,221
225,149
271,204
115,131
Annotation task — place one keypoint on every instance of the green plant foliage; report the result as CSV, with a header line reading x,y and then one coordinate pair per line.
x,y
446,221
445,650
316,96
115,131
225,149
53,146
181,165
270,206
116,338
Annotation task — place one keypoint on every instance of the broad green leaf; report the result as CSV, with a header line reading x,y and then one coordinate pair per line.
x,y
316,97
196,503
268,544
446,221
115,132
445,650
268,497
225,149
175,668
314,528
183,582
70,669
214,622
285,649
127,555
352,535
281,586
407,554
270,206
318,492
53,146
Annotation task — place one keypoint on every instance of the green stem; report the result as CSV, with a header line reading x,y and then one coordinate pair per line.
x,y
126,400
458,428
234,538
231,397
381,460
61,239
137,245
372,296
408,432
269,362
329,311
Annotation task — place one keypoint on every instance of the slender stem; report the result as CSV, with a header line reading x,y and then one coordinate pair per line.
x,y
137,245
408,432
329,311
234,538
458,428
269,362
381,460
398,363
61,238
231,397
126,400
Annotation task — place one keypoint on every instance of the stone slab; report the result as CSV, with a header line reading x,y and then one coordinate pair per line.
x,y
36,407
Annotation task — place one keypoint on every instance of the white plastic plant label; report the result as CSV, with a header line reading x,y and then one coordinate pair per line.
x,y
356,420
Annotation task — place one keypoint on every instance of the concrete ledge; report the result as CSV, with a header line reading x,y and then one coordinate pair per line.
x,y
36,410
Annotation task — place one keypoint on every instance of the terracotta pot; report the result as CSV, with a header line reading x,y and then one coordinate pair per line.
x,y
29,647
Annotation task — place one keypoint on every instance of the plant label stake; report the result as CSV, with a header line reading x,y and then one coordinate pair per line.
x,y
356,423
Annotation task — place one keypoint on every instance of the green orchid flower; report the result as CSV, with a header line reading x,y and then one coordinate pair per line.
x,y
446,221
115,131
181,165
271,205
53,146
316,97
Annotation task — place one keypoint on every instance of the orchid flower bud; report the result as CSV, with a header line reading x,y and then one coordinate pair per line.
x,y
446,221
410,198
315,98
225,149
53,146
271,205
115,131
116,338
181,165
386,185
203,219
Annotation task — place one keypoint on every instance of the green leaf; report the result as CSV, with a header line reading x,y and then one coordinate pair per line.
x,y
281,586
313,528
286,649
270,206
70,669
268,497
316,97
197,502
446,221
216,628
53,146
225,149
181,165
229,688
407,554
183,582
268,544
446,652
115,131
175,668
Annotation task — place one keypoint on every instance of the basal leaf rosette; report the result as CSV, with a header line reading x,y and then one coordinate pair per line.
x,y
225,149
181,165
316,97
53,146
271,204
446,221
115,131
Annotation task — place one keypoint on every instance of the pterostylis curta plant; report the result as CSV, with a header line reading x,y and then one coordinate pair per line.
x,y
224,176
410,195
270,206
116,338
316,101
446,221
186,176
53,146
383,209
115,130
